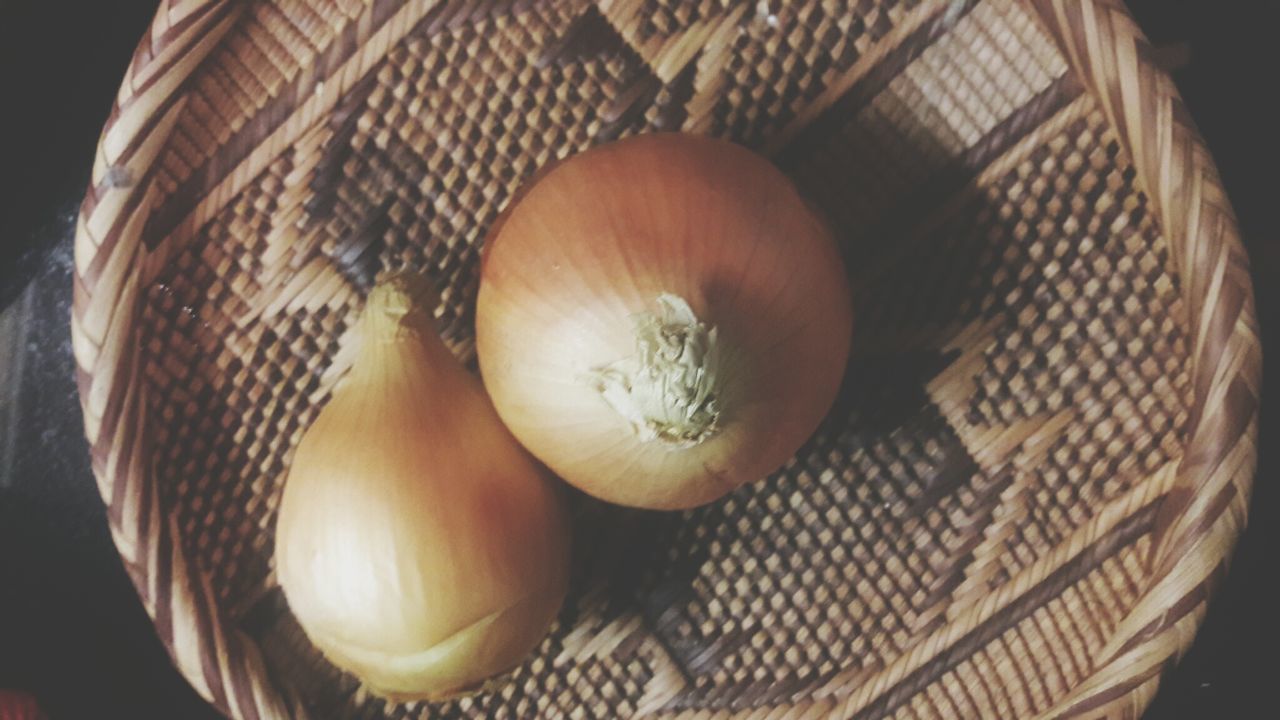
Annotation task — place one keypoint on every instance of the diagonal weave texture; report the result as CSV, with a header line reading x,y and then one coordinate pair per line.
x,y
1032,479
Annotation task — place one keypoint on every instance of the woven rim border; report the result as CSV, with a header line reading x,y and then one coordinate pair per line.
x,y
1198,521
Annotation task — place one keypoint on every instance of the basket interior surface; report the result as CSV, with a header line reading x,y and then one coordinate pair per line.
x,y
963,535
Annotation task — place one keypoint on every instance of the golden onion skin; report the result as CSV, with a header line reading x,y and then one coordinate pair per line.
x,y
604,238
418,545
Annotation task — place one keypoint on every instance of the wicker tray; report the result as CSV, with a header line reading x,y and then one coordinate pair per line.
x,y
1040,460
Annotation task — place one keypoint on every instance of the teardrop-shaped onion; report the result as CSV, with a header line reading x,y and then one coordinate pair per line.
x,y
418,545
662,319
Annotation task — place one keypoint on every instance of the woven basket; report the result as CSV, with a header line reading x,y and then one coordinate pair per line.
x,y
1034,475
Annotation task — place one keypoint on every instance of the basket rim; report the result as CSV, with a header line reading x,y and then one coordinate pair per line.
x,y
1196,524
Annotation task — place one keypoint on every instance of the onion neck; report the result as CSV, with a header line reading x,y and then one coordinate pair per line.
x,y
669,391
400,305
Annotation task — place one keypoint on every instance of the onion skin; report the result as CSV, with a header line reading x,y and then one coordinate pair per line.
x,y
591,246
418,545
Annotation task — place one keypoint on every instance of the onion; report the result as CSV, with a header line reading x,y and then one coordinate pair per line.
x,y
418,545
662,319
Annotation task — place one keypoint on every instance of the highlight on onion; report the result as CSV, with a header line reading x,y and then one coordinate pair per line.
x,y
662,319
418,544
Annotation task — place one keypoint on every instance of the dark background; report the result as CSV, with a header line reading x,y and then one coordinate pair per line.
x,y
73,632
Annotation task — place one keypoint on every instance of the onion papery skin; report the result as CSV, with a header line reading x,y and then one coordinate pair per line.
x,y
418,545
594,244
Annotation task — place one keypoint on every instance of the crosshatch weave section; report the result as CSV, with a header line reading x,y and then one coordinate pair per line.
x,y
1051,401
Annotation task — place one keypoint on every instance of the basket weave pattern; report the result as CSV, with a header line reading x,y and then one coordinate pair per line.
x,y
1034,474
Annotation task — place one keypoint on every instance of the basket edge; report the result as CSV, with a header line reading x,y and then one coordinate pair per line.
x,y
1198,523
223,668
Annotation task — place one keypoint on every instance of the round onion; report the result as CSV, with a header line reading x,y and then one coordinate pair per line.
x,y
662,319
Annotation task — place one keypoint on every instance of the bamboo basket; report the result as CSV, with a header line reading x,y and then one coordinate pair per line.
x,y
1022,501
